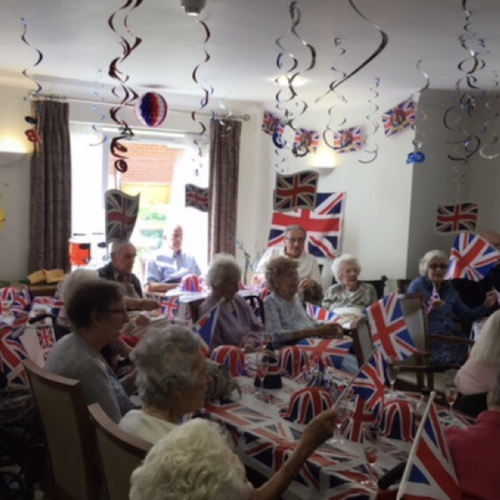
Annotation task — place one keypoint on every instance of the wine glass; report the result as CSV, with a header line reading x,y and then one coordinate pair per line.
x,y
341,408
262,367
451,393
371,448
392,373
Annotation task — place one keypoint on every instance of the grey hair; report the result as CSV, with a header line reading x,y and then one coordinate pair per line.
x,y
340,261
294,227
428,257
192,462
165,360
487,347
495,395
116,246
74,280
223,267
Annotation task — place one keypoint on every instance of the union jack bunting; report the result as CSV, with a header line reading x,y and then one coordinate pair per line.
x,y
7,297
456,218
331,351
320,314
170,306
360,418
296,191
433,299
306,140
389,329
205,327
121,214
369,384
348,139
432,476
472,258
197,197
46,339
269,122
398,118
12,353
323,225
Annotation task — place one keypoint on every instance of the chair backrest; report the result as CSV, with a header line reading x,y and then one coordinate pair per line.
x,y
194,309
120,452
362,339
378,284
416,318
403,284
257,305
63,412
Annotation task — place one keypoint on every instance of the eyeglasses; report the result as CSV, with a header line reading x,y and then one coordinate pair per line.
x,y
116,311
438,266
296,240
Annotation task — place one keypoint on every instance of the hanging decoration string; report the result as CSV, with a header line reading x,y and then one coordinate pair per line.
x,y
38,61
371,145
101,137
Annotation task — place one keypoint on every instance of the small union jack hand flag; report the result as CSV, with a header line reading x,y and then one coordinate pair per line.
x,y
170,306
121,213
433,299
472,258
296,191
205,327
389,329
456,218
320,314
347,140
197,197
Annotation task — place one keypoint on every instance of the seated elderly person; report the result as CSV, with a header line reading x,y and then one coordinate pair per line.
x,y
286,318
97,314
236,322
195,461
432,267
348,296
172,381
475,452
479,373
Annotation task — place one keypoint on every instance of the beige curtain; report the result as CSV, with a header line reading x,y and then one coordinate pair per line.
x,y
224,167
50,190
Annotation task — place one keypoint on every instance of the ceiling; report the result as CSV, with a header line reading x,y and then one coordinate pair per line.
x,y
78,46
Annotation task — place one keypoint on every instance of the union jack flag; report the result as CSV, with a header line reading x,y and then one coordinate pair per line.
x,y
170,306
348,139
323,225
455,218
320,314
307,140
12,353
235,414
399,117
359,419
389,329
121,214
296,191
472,257
433,299
46,339
23,301
197,197
205,327
331,351
8,296
369,384
21,318
432,476
58,304
269,122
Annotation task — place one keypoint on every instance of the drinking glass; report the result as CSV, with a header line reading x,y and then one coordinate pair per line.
x,y
451,393
371,448
341,408
392,374
262,367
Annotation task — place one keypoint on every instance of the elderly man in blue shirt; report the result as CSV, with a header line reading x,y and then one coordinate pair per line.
x,y
170,264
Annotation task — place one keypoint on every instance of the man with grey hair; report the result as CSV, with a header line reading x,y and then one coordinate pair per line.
x,y
294,248
475,451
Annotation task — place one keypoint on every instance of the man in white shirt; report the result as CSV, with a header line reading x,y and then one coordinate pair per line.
x,y
170,264
308,267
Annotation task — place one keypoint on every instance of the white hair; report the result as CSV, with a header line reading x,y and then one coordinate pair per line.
x,y
224,267
428,257
116,246
487,347
165,360
339,262
192,462
74,280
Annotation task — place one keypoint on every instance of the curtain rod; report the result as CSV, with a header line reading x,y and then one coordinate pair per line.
x,y
55,97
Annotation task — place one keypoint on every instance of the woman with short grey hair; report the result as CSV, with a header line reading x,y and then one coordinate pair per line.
x,y
348,291
236,322
172,381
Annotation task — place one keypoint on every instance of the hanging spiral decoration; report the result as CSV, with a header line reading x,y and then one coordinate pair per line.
x,y
371,146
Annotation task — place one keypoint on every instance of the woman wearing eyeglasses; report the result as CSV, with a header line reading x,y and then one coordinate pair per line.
x,y
97,314
444,306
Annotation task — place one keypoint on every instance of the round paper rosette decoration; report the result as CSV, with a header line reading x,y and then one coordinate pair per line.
x,y
231,356
151,109
191,283
397,420
307,404
292,359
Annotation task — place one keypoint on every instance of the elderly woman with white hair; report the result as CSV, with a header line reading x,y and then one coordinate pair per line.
x,y
172,381
195,462
445,304
236,323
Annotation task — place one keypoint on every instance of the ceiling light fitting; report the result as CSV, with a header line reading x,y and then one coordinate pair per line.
x,y
193,7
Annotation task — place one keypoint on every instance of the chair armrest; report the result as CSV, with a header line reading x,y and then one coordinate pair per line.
x,y
451,339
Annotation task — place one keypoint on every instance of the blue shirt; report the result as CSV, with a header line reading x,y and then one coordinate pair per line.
x,y
170,267
441,320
